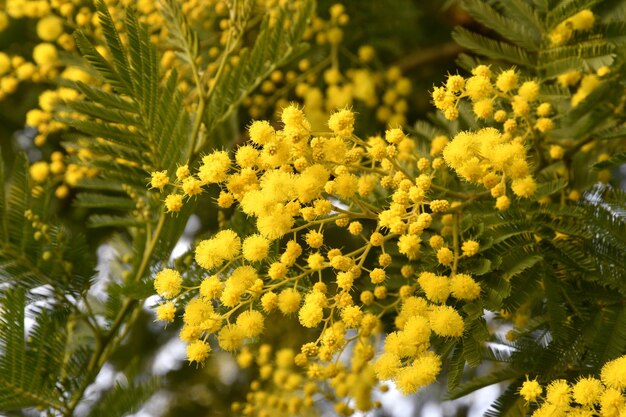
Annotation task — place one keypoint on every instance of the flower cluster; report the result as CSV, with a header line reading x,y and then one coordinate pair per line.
x,y
322,84
299,187
588,396
489,158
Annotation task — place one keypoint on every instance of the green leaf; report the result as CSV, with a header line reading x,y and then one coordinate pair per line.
x,y
28,369
123,400
509,404
509,28
456,367
278,42
181,35
567,9
550,187
493,49
521,11
93,200
615,161
481,382
106,220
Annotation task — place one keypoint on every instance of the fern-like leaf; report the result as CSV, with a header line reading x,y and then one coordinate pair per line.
x,y
124,400
28,370
278,42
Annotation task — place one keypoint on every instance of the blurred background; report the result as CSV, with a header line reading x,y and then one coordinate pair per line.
x,y
411,40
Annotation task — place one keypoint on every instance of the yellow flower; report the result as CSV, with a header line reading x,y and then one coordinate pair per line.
x,y
289,301
436,288
250,323
159,179
470,247
342,123
198,351
49,28
464,287
168,282
614,373
173,203
39,171
45,54
587,391
166,312
530,390
446,321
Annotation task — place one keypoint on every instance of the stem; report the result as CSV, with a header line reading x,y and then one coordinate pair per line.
x,y
455,243
228,49
107,343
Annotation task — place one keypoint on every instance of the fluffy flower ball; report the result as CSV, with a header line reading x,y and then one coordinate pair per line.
x,y
167,283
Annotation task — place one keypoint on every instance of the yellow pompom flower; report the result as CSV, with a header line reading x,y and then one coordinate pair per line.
x,y
378,276
464,287
206,254
250,323
445,256
544,124
556,152
408,245
261,132
310,315
214,168
436,288
166,312
422,372
351,316
587,391
39,171
174,202
211,287
503,203
530,390
483,108
159,179
446,321
470,247
192,186
506,81
524,187
198,351
558,393
229,244
45,54
269,301
49,28
230,338
529,90
246,156
386,366
612,403
478,87
439,206
182,172
167,283
316,261
455,83
276,224
613,373
289,301
310,183
342,123
314,239
255,248
5,63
